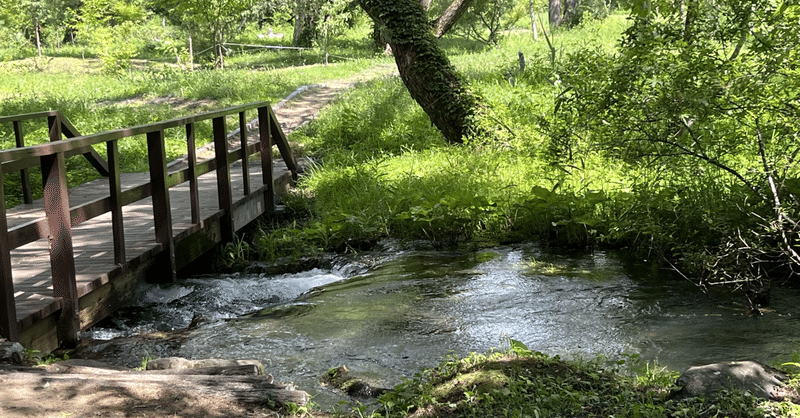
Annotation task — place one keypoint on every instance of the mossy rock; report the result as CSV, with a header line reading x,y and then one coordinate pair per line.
x,y
340,378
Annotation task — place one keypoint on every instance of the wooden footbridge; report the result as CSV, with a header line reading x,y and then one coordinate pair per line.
x,y
70,259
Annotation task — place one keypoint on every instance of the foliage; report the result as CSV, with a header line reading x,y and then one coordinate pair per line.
x,y
207,21
111,25
487,18
688,98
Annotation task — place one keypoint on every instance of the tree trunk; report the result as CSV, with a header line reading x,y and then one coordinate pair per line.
x,y
554,11
426,4
427,73
38,30
570,14
454,11
532,10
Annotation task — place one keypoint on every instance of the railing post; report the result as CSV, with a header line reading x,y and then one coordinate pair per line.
x,y
245,156
223,178
25,179
117,226
62,262
191,155
264,134
8,312
162,214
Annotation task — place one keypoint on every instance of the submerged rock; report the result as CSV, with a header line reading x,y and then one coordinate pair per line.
x,y
341,379
749,376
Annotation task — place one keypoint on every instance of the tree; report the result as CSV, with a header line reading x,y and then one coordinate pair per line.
x,y
683,94
427,73
208,21
451,15
109,26
554,13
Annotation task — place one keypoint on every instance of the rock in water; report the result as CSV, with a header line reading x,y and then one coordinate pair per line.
x,y
749,376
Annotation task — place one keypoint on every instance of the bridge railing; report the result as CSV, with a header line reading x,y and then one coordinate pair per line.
x,y
67,129
59,218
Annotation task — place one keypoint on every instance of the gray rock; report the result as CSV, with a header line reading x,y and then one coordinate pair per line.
x,y
178,363
749,376
11,352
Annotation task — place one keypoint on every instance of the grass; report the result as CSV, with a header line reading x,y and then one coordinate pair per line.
x,y
518,382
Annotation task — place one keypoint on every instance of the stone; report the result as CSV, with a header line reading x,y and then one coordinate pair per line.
x,y
748,376
178,363
11,352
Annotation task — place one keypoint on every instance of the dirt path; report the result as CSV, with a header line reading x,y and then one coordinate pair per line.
x,y
43,395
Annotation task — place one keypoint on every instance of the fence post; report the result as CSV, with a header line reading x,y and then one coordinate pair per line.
x,y
162,214
191,156
264,132
25,179
245,155
223,178
62,262
8,313
117,225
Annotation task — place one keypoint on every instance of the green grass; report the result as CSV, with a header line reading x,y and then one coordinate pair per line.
x,y
518,382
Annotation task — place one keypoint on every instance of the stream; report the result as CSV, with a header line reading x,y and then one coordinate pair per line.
x,y
391,314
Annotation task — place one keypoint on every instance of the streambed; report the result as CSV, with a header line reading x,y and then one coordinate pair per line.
x,y
411,308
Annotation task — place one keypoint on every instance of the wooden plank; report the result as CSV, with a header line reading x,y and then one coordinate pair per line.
x,y
194,242
74,144
41,335
279,138
89,153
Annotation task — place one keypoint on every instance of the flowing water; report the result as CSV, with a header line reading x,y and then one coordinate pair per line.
x,y
413,308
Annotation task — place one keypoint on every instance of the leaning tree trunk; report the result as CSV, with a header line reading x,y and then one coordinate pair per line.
x,y
427,73
454,11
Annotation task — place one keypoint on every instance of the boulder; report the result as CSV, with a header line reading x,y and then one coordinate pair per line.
x,y
11,352
748,376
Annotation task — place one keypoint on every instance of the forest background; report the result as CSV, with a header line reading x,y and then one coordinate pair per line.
x,y
667,129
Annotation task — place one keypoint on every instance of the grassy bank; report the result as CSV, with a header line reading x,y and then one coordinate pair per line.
x,y
518,382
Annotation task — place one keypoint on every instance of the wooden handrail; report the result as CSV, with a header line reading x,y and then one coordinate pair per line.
x,y
60,218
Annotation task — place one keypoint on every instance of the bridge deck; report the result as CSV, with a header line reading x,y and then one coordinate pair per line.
x,y
93,245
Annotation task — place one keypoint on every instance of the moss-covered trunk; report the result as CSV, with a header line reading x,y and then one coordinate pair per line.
x,y
427,73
